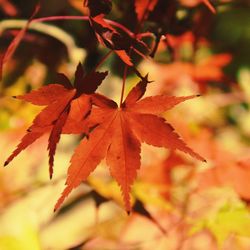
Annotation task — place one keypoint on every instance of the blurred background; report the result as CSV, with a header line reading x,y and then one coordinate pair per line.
x,y
179,203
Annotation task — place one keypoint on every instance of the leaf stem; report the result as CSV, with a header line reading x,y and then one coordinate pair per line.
x,y
54,18
125,72
102,60
85,18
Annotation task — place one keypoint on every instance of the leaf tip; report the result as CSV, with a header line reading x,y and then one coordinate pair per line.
x,y
6,163
56,207
51,168
106,72
79,65
145,78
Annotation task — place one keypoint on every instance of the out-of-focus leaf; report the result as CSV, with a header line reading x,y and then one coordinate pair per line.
x,y
106,188
225,216
8,7
229,220
244,80
77,227
147,193
18,231
141,210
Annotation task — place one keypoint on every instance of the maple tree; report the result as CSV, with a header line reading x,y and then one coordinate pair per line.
x,y
162,53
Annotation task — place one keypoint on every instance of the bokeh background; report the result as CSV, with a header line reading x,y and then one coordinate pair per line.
x,y
179,203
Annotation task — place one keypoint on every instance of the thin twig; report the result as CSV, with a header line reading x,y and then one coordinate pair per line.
x,y
102,60
84,18
125,72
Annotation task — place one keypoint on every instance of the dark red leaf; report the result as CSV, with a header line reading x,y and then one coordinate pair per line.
x,y
92,81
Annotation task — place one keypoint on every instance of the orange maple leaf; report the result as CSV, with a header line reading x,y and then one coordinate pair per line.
x,y
232,174
119,135
231,171
61,113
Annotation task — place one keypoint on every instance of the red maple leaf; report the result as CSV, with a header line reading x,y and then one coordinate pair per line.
x,y
119,135
66,111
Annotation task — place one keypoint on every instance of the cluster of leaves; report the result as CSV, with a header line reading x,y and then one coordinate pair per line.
x,y
116,131
110,130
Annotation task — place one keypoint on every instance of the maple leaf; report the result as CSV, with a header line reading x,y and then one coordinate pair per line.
x,y
67,108
119,135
